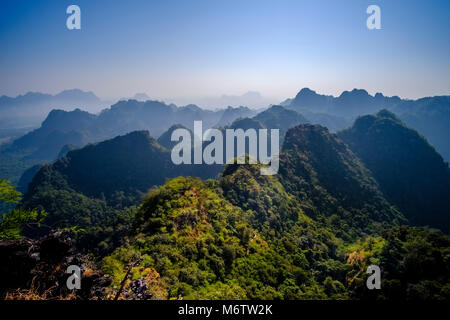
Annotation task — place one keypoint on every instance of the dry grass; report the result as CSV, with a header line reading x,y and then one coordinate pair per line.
x,y
34,294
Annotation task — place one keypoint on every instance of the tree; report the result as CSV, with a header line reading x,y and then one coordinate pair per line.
x,y
12,222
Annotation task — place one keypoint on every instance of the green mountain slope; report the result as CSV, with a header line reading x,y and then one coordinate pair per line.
x,y
412,175
201,246
332,184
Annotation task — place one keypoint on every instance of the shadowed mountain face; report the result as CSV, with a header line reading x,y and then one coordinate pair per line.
x,y
27,177
331,183
166,138
412,175
131,163
230,114
128,163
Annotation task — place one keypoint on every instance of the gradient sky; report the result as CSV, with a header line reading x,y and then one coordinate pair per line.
x,y
197,48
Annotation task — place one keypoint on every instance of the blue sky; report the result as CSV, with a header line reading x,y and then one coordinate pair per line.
x,y
198,48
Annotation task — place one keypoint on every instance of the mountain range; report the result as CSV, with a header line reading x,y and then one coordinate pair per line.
x,y
30,109
78,128
351,191
307,233
332,176
429,116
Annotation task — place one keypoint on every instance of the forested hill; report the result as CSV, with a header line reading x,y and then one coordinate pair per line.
x,y
411,174
332,184
131,164
245,237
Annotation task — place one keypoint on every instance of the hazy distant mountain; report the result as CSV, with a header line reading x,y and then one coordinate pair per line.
x,y
31,108
278,117
284,118
138,97
286,103
65,150
230,114
59,128
77,128
332,122
251,99
275,117
80,127
77,96
430,117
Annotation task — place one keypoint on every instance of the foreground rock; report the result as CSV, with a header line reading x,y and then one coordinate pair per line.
x,y
36,269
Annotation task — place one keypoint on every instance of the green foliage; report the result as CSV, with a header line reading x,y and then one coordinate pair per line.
x,y
14,162
12,222
332,185
205,247
414,262
8,192
264,199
